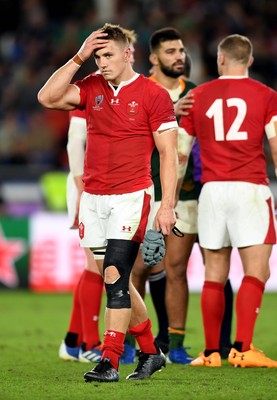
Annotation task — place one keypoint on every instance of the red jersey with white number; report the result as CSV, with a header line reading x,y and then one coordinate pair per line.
x,y
120,123
228,117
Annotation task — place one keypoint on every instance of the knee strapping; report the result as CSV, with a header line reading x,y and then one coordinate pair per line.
x,y
122,255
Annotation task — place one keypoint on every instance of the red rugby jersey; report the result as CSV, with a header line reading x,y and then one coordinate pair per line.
x,y
229,118
77,113
120,123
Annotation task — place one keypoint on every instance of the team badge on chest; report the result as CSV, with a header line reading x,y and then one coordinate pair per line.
x,y
132,108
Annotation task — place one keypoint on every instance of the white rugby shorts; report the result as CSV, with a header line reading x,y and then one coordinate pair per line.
x,y
236,214
118,216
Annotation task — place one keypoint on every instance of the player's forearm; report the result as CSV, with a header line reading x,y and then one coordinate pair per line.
x,y
165,218
79,183
57,92
168,177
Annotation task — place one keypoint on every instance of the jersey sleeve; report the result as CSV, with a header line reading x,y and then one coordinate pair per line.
x,y
162,114
186,123
84,85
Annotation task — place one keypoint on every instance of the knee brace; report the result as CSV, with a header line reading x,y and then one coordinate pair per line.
x,y
122,254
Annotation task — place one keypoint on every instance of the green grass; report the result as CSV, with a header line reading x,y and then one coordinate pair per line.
x,y
32,326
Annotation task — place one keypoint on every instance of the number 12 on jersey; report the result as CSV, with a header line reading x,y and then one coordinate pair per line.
x,y
215,112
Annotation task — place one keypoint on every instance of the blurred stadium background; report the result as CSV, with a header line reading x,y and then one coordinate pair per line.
x,y
37,250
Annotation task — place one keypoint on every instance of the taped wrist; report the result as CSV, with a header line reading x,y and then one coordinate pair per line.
x,y
77,60
153,248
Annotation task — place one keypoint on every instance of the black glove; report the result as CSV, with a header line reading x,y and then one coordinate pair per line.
x,y
153,248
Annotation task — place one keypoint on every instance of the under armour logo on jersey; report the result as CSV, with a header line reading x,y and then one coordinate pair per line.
x,y
115,101
126,229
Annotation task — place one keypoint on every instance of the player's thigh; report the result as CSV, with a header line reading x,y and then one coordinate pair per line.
x,y
91,264
178,250
186,216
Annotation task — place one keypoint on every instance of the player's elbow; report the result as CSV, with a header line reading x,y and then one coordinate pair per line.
x,y
45,99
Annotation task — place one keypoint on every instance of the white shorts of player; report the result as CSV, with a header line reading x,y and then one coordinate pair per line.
x,y
186,215
236,214
116,216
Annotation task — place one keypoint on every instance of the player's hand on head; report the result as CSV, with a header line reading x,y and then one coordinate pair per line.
x,y
94,41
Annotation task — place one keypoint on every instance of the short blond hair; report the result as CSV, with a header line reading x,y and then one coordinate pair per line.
x,y
131,35
237,48
116,33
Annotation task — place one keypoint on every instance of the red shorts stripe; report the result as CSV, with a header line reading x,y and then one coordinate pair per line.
x,y
140,232
271,233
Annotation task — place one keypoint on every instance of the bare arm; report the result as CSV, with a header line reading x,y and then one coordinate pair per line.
x,y
166,143
58,93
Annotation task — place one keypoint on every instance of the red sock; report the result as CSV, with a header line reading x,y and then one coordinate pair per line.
x,y
75,324
90,296
113,346
144,337
248,302
212,305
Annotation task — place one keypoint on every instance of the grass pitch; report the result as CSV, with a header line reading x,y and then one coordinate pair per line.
x,y
33,325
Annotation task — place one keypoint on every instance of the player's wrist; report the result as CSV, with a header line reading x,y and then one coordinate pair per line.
x,y
77,60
